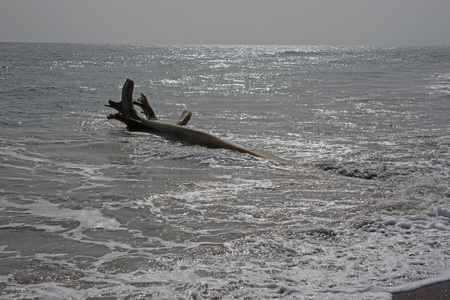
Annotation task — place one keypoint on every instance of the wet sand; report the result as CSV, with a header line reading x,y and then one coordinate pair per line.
x,y
438,291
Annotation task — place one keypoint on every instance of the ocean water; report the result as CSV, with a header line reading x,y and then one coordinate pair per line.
x,y
90,210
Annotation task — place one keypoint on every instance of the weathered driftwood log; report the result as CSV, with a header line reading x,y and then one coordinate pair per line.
x,y
150,123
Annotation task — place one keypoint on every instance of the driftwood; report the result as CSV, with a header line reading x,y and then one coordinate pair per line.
x,y
150,123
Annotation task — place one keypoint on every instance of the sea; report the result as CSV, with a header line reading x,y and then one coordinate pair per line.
x,y
90,210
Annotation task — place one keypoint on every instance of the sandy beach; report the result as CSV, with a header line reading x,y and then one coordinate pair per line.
x,y
435,291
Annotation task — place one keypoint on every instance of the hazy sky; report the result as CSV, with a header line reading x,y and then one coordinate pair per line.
x,y
287,22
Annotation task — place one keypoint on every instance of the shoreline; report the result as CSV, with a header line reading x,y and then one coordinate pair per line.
x,y
432,291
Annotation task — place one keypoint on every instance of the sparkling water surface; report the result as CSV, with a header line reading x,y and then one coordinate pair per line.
x,y
90,210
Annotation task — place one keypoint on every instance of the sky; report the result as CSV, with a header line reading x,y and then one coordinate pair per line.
x,y
236,22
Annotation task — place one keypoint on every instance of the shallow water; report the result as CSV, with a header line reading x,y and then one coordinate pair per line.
x,y
90,210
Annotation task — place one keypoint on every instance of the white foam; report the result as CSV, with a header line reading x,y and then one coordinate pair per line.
x,y
419,283
45,210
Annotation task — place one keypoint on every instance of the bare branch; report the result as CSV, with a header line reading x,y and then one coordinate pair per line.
x,y
134,121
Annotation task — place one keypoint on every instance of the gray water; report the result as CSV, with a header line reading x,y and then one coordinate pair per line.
x,y
90,210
